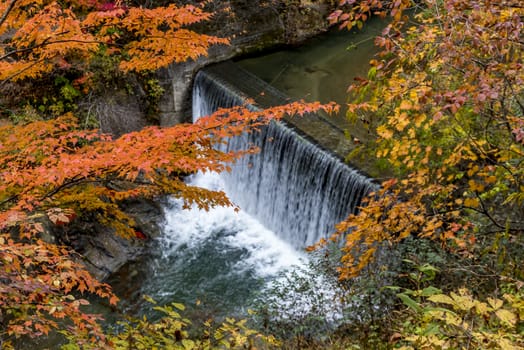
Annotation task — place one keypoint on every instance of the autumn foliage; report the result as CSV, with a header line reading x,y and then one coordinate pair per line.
x,y
53,172
444,102
56,172
445,99
40,36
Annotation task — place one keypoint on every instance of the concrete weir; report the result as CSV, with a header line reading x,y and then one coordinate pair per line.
x,y
245,86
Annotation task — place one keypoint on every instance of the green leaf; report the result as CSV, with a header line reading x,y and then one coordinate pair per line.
x,y
432,328
409,302
188,344
394,288
428,291
372,73
149,299
427,268
409,261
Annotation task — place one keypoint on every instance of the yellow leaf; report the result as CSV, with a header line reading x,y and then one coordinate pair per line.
x,y
495,303
402,121
491,179
179,306
475,186
471,202
507,317
473,171
405,104
384,132
188,344
442,299
508,344
482,308
463,301
419,119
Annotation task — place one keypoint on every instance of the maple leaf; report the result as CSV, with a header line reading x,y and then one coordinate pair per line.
x,y
60,216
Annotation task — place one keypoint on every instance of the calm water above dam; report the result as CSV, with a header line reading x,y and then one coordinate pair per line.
x,y
322,69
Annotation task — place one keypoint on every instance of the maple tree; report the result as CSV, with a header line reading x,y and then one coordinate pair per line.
x,y
445,100
444,103
47,35
54,171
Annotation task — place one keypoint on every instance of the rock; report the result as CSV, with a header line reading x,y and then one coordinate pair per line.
x,y
101,250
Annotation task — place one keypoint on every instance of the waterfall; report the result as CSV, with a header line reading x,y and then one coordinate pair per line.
x,y
291,194
293,186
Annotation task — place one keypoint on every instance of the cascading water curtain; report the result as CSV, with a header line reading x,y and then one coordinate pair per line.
x,y
293,187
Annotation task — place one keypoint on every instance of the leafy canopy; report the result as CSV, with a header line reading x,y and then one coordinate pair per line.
x,y
40,36
446,100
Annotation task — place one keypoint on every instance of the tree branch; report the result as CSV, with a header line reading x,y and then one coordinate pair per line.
x,y
47,43
19,72
7,11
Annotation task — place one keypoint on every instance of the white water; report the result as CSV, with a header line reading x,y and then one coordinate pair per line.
x,y
265,254
218,259
294,187
266,262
